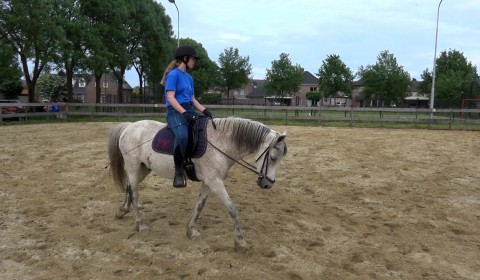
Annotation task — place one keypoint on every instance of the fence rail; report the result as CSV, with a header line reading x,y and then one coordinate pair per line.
x,y
446,118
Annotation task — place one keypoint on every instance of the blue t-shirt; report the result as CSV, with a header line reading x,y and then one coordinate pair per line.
x,y
180,82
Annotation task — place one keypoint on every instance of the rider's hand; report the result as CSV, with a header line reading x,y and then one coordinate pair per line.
x,y
188,117
207,113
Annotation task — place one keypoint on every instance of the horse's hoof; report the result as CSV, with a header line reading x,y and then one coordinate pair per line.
x,y
138,227
119,214
241,245
193,234
122,211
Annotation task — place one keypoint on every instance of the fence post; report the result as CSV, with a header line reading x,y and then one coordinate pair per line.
x,y
66,111
451,119
351,117
320,115
430,119
381,117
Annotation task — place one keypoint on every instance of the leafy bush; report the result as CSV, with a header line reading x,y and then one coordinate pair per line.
x,y
315,96
210,98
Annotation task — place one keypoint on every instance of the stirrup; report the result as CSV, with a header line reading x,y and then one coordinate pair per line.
x,y
179,180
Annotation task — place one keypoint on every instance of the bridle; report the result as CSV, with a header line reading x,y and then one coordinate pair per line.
x,y
263,175
260,175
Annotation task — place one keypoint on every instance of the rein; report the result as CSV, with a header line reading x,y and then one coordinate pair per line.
x,y
249,166
245,164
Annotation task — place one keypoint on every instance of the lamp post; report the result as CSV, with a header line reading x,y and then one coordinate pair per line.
x,y
432,94
178,22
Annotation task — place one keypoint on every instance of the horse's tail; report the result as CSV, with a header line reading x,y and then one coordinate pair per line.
x,y
116,158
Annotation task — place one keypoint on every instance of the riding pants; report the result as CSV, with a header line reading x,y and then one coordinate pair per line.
x,y
179,126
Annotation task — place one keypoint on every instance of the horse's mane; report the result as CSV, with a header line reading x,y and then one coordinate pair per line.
x,y
246,134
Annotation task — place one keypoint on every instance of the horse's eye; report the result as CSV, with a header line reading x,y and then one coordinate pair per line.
x,y
274,153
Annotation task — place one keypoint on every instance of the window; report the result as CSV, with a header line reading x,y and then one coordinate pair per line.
x,y
80,98
82,83
313,88
103,98
238,92
105,84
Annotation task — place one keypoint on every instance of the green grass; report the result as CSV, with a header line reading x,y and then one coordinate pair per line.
x,y
274,116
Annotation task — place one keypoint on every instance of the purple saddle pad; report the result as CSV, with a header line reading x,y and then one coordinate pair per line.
x,y
163,140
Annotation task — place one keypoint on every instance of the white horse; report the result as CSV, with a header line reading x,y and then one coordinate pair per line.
x,y
229,140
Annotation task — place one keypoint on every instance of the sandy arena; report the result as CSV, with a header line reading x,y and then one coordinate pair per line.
x,y
349,203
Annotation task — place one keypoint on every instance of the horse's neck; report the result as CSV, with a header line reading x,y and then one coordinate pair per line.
x,y
222,140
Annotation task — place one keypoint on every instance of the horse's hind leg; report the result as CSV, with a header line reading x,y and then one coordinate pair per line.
x,y
192,231
131,199
131,196
125,207
136,210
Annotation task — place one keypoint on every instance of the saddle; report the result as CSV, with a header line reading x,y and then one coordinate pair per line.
x,y
197,144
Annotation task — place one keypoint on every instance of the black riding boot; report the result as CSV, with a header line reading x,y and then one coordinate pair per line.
x,y
179,180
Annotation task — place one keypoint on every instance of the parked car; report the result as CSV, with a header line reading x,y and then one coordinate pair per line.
x,y
15,108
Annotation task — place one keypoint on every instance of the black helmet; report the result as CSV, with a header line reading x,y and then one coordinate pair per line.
x,y
183,51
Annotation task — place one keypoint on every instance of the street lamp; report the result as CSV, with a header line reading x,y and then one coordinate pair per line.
x,y
178,22
432,94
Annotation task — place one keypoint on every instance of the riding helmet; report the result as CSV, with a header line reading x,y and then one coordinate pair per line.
x,y
183,51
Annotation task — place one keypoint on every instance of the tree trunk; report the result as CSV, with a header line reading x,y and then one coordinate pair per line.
x,y
69,72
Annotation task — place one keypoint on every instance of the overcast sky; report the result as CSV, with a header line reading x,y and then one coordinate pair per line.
x,y
309,30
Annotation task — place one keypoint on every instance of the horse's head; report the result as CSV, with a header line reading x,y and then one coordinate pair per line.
x,y
269,159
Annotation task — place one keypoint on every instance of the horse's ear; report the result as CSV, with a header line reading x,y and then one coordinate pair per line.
x,y
282,136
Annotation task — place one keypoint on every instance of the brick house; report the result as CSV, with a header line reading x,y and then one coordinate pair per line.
x,y
254,93
84,89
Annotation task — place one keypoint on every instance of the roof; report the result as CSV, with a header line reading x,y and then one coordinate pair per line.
x,y
414,85
417,98
258,89
309,79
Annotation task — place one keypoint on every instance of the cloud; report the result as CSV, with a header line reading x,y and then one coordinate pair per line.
x,y
309,30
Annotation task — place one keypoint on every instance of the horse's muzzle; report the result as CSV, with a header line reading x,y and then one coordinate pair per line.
x,y
264,182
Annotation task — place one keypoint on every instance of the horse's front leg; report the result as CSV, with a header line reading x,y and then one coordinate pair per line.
x,y
220,190
192,231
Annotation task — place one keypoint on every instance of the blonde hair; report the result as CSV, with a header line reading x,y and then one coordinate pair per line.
x,y
173,64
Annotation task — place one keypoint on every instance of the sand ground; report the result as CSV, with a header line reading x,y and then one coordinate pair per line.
x,y
349,203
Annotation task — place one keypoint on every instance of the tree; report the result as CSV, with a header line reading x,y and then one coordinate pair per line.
x,y
205,71
121,42
234,70
155,42
314,96
98,13
453,76
10,73
385,81
52,87
73,44
283,78
425,85
334,76
30,27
